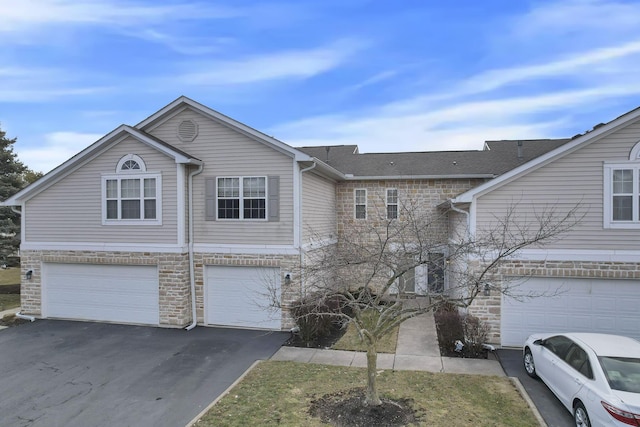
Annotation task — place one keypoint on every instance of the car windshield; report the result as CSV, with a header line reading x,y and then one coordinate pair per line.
x,y
623,373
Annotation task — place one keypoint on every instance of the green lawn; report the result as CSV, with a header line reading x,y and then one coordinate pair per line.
x,y
279,393
8,301
10,276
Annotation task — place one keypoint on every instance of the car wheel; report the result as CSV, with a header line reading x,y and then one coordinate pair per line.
x,y
529,364
580,415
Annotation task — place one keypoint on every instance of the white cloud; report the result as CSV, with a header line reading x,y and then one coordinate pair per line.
x,y
297,64
30,14
57,147
461,125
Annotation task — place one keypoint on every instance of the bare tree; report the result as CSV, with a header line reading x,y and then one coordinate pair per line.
x,y
374,263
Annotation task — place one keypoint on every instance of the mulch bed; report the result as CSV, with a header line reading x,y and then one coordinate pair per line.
x,y
12,320
324,341
346,408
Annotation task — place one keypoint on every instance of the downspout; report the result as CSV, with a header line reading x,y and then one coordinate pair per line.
x,y
18,314
453,208
301,226
192,278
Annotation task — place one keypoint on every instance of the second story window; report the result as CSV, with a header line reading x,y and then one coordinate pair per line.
x,y
242,197
360,199
392,203
131,195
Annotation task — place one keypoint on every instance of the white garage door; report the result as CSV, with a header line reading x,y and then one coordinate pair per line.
x,y
111,293
238,296
581,305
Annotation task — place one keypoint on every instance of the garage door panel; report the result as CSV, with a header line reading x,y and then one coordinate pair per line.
x,y
579,305
238,296
114,293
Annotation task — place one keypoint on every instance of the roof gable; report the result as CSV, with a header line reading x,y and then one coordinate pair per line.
x,y
93,151
183,102
574,144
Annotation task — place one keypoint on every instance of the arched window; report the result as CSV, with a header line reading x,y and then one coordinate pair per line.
x,y
131,163
131,195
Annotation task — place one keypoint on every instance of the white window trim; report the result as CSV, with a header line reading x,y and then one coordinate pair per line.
x,y
607,191
241,197
396,204
355,192
135,175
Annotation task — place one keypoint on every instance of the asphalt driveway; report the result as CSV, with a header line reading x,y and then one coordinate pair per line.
x,y
553,412
59,373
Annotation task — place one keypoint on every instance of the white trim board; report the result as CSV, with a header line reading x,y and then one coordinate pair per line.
x,y
103,247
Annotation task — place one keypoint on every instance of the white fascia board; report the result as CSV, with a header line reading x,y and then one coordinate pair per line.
x,y
326,170
552,155
103,247
66,168
90,153
228,121
246,249
179,157
578,255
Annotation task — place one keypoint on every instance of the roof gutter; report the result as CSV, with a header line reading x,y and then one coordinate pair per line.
x,y
351,177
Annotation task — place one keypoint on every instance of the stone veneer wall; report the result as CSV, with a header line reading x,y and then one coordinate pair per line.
x,y
426,194
422,196
488,308
286,263
175,309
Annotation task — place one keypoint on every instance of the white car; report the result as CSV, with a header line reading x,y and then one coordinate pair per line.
x,y
595,376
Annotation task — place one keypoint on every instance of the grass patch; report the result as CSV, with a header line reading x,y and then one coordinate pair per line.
x,y
351,341
10,276
8,301
279,393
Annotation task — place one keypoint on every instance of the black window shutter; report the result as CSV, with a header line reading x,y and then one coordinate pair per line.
x,y
274,198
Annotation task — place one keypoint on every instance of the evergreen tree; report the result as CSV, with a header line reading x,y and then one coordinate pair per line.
x,y
14,175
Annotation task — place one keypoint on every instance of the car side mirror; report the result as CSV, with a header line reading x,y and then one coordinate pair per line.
x,y
539,342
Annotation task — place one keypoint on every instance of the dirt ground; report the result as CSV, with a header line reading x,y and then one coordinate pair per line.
x,y
346,409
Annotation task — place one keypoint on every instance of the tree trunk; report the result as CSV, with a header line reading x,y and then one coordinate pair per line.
x,y
372,398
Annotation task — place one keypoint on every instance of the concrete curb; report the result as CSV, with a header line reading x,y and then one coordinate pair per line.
x,y
223,394
516,382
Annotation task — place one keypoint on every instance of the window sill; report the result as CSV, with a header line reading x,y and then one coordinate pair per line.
x,y
142,222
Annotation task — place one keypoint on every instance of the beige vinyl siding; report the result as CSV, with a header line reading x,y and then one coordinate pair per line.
x,y
318,208
71,209
227,152
577,178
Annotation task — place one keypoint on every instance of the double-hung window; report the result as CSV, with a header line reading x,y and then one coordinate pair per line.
x,y
622,195
360,200
242,197
392,203
131,195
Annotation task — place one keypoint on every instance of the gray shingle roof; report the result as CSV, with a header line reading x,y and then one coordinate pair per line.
x,y
496,158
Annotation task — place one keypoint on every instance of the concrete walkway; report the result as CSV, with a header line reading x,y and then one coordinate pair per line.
x,y
417,350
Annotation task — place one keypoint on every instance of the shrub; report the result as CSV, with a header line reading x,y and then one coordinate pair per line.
x,y
316,316
453,326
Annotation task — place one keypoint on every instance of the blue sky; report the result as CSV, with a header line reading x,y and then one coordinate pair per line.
x,y
386,75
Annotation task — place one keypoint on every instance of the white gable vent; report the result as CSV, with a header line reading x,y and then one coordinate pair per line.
x,y
187,130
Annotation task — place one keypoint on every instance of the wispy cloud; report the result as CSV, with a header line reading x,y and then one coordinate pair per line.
x,y
28,14
55,148
290,64
461,125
